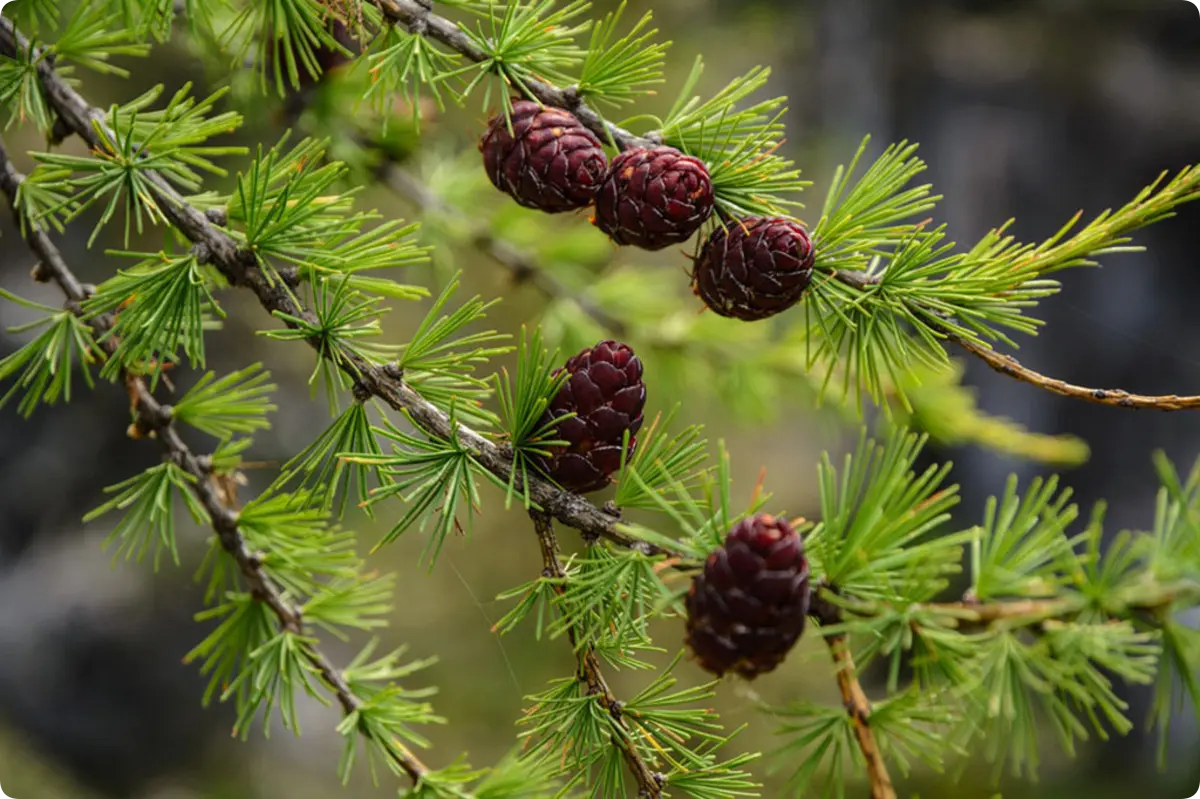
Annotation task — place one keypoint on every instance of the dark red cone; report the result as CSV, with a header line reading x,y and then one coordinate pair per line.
x,y
748,607
654,198
606,392
550,161
754,268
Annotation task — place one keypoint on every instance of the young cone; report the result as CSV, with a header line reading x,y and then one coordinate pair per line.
x,y
654,198
747,609
754,268
606,393
549,161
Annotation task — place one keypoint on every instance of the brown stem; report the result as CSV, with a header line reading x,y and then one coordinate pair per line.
x,y
859,708
649,782
1115,397
154,419
241,268
1151,599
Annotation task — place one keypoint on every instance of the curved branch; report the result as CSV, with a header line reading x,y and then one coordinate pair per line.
x,y
153,419
1011,367
240,268
1113,397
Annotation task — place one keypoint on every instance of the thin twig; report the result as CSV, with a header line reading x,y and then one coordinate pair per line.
x,y
1114,397
154,419
418,18
858,706
649,782
240,268
1011,367
520,265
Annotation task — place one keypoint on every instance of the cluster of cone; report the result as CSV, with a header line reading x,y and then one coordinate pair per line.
x,y
747,608
651,198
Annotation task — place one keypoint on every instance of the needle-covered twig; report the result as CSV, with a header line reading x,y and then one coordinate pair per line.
x,y
154,419
240,268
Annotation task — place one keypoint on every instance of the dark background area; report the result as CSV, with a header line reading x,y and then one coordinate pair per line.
x,y
1030,110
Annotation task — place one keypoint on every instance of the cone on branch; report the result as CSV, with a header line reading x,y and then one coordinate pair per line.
x,y
604,390
754,268
748,607
653,198
548,161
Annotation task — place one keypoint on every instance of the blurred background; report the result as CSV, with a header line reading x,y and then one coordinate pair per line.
x,y
1030,109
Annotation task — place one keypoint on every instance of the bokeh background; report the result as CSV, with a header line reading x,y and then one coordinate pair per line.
x,y
1024,108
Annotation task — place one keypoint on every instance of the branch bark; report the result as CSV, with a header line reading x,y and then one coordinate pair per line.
x,y
153,419
1113,397
240,268
858,706
1150,599
649,782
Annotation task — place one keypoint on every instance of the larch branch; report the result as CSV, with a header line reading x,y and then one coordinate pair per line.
x,y
1114,397
858,706
240,267
153,419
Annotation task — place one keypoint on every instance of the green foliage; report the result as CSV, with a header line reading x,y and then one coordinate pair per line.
x,y
320,473
162,306
608,600
148,502
285,36
224,407
651,477
749,178
302,552
440,359
618,70
1022,541
433,477
136,145
523,407
42,369
342,328
878,516
21,93
289,206
520,43
36,13
876,213
703,514
89,40
400,65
